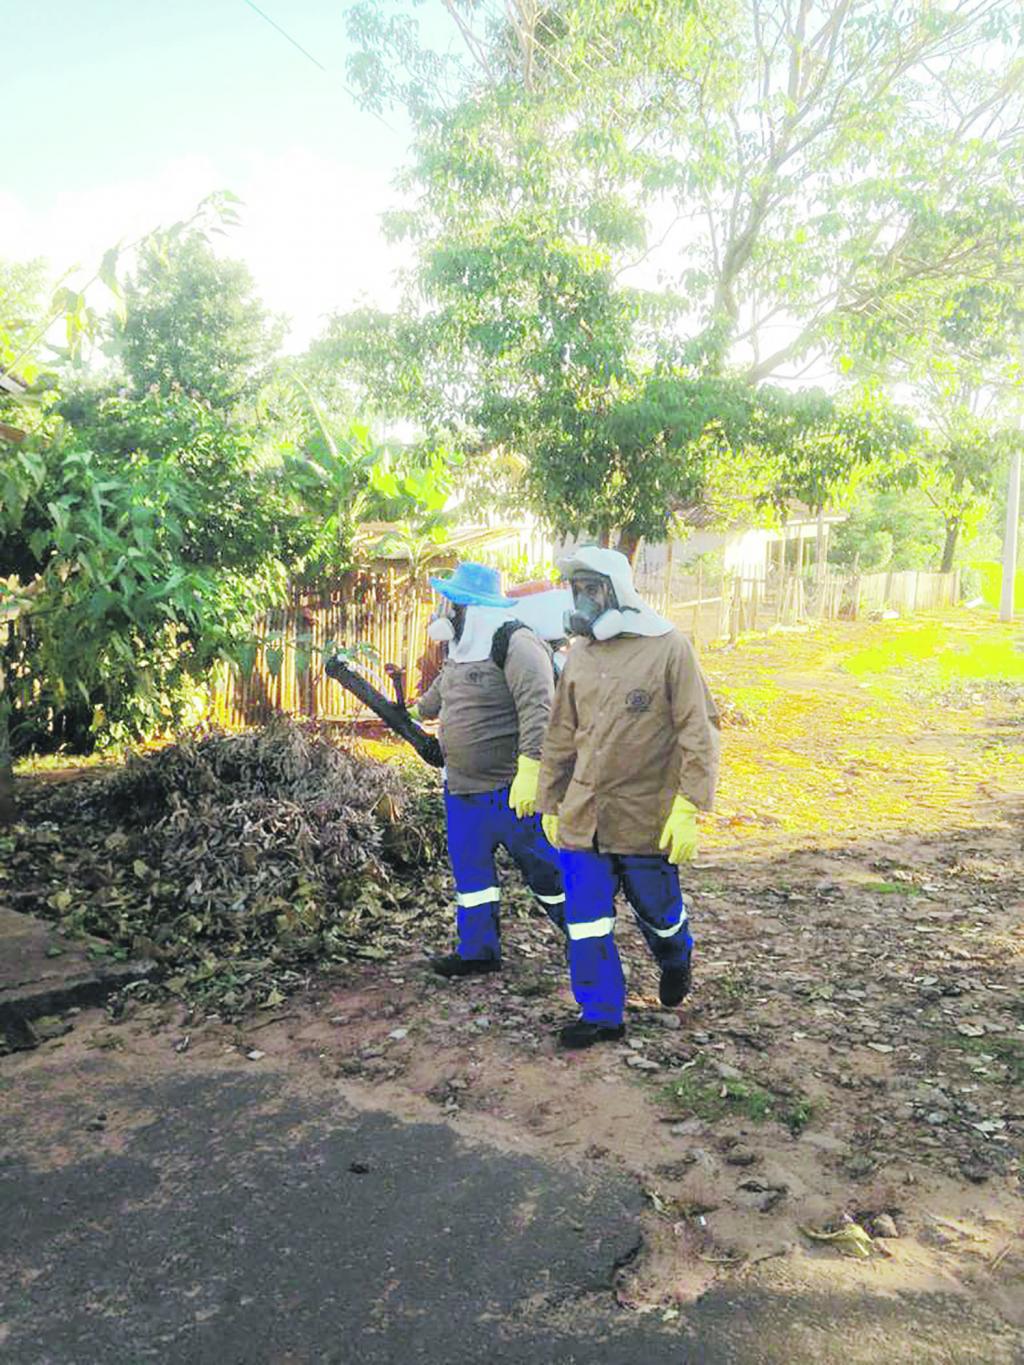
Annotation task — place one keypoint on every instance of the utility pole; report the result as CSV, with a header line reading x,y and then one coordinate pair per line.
x,y
1010,538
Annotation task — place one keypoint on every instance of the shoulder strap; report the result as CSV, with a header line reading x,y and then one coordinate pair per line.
x,y
500,641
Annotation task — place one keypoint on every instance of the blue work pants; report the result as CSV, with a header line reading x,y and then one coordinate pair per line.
x,y
477,824
651,885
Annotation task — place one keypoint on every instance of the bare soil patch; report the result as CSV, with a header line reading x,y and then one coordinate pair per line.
x,y
852,1055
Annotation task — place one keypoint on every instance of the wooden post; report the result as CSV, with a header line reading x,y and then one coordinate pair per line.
x,y
1010,539
668,573
723,607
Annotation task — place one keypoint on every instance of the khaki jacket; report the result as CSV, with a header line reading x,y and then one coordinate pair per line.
x,y
490,716
632,727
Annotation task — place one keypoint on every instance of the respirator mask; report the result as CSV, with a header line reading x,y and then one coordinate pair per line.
x,y
595,607
445,625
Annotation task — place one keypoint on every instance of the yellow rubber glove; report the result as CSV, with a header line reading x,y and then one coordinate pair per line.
x,y
522,796
679,836
549,824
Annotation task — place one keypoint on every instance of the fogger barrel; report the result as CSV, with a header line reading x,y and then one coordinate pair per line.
x,y
393,714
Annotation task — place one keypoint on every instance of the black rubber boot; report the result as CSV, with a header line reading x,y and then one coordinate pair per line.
x,y
674,985
453,965
583,1033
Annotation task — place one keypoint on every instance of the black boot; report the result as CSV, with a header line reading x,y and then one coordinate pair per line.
x,y
674,985
453,965
583,1033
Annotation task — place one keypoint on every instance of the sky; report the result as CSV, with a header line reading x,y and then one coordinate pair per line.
x,y
122,115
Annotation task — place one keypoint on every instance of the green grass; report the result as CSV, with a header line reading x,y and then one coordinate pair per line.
x,y
698,1093
991,573
53,763
1009,1051
943,653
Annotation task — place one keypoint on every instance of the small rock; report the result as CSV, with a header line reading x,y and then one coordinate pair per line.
x,y
255,1055
973,1169
740,1156
398,1034
667,1020
767,1201
642,1063
482,1023
359,1167
727,1072
860,1164
936,1117
635,1043
885,1226
49,1026
934,1236
687,1128
762,1197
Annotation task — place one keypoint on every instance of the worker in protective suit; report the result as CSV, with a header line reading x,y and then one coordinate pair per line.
x,y
493,696
630,756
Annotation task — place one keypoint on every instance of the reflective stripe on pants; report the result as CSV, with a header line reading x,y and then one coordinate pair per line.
x,y
477,824
651,885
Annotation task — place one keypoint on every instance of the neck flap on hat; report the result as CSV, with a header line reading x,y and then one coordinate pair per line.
x,y
474,643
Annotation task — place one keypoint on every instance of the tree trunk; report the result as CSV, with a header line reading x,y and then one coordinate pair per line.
x,y
629,543
8,805
949,548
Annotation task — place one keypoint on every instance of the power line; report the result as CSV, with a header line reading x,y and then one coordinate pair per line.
x,y
285,34
309,56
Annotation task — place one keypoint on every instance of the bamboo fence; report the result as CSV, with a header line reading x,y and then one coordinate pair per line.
x,y
387,613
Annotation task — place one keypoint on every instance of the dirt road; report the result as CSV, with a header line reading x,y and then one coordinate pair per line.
x,y
852,1056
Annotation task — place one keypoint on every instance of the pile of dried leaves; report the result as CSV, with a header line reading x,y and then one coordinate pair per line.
x,y
233,860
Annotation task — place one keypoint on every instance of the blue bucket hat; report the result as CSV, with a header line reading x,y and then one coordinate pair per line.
x,y
472,585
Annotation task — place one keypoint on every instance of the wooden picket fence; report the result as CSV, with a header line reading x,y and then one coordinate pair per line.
x,y
385,612
723,606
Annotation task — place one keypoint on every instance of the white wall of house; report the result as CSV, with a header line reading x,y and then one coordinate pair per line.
x,y
746,552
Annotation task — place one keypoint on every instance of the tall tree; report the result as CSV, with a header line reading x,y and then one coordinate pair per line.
x,y
800,174
813,163
960,354
191,319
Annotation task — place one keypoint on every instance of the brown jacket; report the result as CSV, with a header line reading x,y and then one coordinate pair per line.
x,y
489,716
632,727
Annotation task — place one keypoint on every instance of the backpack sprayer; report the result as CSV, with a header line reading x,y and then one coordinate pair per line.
x,y
539,606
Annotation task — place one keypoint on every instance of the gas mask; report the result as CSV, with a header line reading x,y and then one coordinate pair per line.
x,y
593,600
446,623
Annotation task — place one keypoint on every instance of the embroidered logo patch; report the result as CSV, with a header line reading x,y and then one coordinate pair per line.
x,y
638,700
476,677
